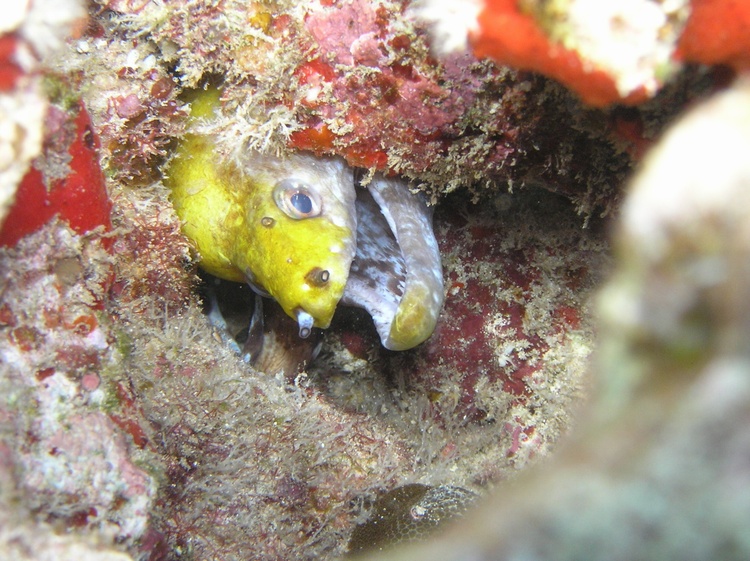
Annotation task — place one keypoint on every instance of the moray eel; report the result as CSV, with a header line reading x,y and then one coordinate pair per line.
x,y
300,230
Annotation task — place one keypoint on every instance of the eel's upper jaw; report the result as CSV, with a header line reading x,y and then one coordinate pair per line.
x,y
396,274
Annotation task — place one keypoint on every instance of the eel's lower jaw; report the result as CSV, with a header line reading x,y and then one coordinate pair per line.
x,y
396,274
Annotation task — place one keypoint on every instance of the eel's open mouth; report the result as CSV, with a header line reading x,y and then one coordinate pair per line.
x,y
396,274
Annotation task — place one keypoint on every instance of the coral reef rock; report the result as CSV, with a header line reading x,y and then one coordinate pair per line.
x,y
604,427
659,466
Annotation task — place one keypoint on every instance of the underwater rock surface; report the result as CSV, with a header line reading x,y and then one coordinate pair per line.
x,y
659,464
128,429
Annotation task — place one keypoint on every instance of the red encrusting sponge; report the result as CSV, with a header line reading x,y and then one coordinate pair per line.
x,y
80,198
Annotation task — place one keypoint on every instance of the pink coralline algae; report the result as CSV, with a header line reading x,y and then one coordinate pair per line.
x,y
386,92
380,88
86,464
516,302
74,463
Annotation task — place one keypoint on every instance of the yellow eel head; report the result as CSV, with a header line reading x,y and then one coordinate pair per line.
x,y
295,229
297,237
285,226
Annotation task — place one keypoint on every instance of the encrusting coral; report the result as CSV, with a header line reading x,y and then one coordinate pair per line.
x,y
128,424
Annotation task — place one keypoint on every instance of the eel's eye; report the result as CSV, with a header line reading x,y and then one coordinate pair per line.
x,y
296,199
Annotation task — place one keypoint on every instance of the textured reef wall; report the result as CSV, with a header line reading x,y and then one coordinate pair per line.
x,y
659,465
129,429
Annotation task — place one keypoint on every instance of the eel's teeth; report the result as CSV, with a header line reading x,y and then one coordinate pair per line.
x,y
305,322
